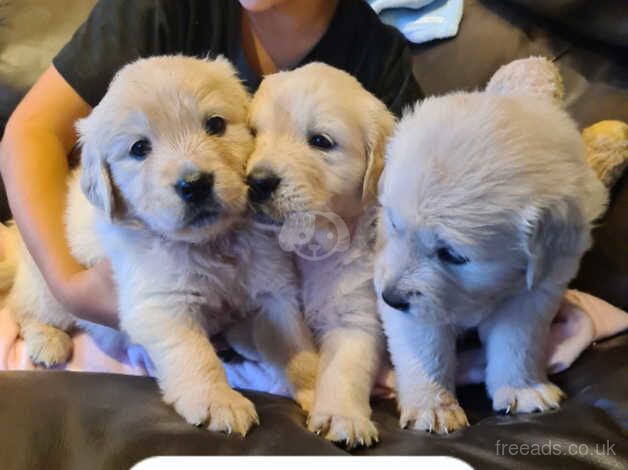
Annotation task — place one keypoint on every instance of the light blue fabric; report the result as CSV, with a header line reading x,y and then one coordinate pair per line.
x,y
436,20
379,5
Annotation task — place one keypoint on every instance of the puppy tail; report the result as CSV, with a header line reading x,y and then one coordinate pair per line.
x,y
8,256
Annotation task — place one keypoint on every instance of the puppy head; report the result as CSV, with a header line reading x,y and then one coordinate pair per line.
x,y
483,197
319,146
167,147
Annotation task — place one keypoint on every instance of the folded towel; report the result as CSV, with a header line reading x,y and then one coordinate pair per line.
x,y
436,19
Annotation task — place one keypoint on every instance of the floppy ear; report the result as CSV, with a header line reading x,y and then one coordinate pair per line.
x,y
554,238
95,179
379,129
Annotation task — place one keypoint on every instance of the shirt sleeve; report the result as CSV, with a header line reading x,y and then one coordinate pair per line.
x,y
398,87
115,33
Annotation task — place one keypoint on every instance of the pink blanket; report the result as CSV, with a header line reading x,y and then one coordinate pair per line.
x,y
581,320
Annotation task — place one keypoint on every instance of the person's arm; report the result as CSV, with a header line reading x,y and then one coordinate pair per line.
x,y
40,134
34,164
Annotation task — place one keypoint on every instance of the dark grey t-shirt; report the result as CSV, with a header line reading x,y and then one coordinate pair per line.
x,y
120,31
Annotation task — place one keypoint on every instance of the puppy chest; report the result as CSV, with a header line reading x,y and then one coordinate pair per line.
x,y
338,293
225,298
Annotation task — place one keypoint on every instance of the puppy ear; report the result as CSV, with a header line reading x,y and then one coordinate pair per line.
x,y
554,239
95,179
379,129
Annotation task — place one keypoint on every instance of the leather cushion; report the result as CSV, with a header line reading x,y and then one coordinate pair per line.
x,y
103,421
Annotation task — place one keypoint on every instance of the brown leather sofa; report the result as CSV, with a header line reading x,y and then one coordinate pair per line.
x,y
77,421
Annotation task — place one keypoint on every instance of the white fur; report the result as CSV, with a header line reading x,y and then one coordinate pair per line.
x,y
503,182
338,296
178,282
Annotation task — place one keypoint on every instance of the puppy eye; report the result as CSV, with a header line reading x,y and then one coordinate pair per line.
x,y
321,141
253,131
215,125
449,256
140,149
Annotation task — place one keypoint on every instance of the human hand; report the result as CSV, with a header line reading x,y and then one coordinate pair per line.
x,y
90,294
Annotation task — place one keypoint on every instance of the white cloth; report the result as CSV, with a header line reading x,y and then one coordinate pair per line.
x,y
436,19
380,5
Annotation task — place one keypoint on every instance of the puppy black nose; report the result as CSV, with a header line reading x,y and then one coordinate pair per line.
x,y
195,187
262,183
395,300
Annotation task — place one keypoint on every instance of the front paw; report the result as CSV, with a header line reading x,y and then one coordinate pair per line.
x,y
539,397
353,431
47,345
221,408
439,413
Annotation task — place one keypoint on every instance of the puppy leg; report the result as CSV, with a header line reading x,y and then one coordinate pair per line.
x,y
278,334
188,370
516,339
350,359
424,357
42,319
283,340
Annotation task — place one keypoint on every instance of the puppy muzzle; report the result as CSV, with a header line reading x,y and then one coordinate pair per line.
x,y
398,299
395,300
196,190
195,187
262,184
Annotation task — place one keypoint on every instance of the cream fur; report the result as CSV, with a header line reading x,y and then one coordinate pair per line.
x,y
339,300
502,181
180,278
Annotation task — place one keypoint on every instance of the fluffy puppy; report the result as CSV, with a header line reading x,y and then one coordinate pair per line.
x,y
487,209
161,192
318,155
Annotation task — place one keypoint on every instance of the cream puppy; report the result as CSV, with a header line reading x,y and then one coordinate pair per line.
x,y
319,152
488,204
161,192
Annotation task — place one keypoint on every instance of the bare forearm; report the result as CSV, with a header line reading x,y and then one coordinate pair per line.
x,y
34,165
35,169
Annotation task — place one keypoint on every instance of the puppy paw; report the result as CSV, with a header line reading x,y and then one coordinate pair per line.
x,y
539,397
47,345
222,410
230,411
352,431
442,414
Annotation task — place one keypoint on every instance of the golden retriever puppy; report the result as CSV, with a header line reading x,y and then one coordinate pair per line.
x,y
318,155
161,192
487,207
